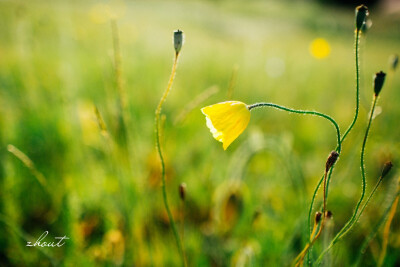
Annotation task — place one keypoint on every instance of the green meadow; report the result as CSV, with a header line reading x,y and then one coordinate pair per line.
x,y
79,85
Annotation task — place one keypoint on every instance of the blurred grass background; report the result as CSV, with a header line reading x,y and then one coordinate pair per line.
x,y
247,204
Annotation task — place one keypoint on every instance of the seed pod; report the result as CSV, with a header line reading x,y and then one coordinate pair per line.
x,y
331,160
178,40
318,216
182,191
328,214
361,15
379,79
386,168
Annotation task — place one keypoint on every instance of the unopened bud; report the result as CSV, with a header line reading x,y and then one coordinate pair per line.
x,y
318,216
361,15
178,40
379,79
386,168
394,61
328,214
182,191
331,160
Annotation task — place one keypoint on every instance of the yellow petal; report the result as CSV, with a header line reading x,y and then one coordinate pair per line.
x,y
227,120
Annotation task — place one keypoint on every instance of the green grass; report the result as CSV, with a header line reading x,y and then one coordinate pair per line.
x,y
56,64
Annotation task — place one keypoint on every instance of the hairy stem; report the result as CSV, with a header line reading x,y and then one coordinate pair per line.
x,y
357,65
315,113
338,149
354,217
368,199
300,258
357,43
160,154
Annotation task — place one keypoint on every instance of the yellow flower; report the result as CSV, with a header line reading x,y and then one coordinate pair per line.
x,y
227,120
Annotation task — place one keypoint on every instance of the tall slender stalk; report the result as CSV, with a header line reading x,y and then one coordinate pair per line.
x,y
357,52
357,67
367,200
158,146
362,164
357,44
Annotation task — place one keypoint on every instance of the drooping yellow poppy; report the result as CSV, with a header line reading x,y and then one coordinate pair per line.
x,y
227,120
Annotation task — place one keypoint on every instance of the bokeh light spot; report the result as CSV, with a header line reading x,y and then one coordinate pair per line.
x,y
320,48
101,13
275,67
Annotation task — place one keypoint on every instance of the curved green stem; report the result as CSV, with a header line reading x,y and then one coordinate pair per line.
x,y
158,146
356,44
315,113
313,199
354,217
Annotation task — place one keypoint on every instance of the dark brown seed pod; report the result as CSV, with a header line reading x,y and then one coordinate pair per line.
x,y
318,216
331,160
379,79
328,214
386,168
361,15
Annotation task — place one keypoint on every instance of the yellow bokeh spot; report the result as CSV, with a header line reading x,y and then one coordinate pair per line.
x,y
320,48
100,13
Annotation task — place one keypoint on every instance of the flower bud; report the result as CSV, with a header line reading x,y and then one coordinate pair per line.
x,y
386,168
379,79
361,15
178,40
318,216
393,62
331,160
328,214
182,191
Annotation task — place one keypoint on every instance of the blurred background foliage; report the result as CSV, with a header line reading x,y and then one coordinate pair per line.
x,y
86,122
